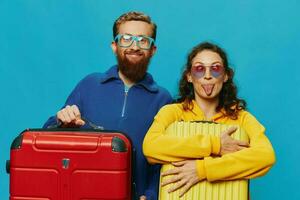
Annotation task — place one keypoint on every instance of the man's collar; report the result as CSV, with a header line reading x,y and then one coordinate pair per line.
x,y
147,82
111,73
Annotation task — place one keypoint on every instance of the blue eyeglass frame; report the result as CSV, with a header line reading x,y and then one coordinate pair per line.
x,y
136,39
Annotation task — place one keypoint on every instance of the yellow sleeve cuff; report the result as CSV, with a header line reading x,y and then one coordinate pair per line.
x,y
216,145
200,169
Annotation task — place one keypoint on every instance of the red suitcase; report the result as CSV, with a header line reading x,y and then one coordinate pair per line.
x,y
68,165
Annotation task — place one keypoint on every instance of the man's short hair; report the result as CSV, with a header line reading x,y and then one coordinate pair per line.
x,y
133,16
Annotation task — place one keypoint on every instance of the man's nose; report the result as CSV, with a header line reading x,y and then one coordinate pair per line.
x,y
134,45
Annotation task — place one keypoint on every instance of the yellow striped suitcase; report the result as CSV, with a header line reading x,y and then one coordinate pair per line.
x,y
204,190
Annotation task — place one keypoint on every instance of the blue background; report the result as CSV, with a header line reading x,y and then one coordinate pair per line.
x,y
46,47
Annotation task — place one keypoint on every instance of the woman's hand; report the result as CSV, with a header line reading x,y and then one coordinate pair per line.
x,y
230,145
184,176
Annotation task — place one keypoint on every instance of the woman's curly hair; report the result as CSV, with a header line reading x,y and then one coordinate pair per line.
x,y
228,99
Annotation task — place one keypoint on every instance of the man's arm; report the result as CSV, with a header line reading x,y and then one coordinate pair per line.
x,y
153,182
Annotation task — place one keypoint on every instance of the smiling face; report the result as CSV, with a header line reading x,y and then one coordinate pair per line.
x,y
207,75
133,61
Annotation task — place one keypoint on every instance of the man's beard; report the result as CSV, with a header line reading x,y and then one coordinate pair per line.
x,y
134,71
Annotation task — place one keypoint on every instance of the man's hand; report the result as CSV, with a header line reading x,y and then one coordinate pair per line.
x,y
70,116
230,145
143,197
184,175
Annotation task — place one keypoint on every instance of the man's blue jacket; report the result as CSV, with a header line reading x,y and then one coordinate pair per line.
x,y
101,99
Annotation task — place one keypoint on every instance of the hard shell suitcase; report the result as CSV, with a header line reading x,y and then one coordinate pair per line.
x,y
56,164
204,190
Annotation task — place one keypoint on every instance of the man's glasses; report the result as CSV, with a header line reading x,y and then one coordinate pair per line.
x,y
142,42
199,70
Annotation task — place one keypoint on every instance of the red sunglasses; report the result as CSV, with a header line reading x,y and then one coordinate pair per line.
x,y
199,70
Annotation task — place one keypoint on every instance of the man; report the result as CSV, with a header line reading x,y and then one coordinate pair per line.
x,y
125,97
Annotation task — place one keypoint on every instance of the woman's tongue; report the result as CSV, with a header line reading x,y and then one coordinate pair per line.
x,y
208,88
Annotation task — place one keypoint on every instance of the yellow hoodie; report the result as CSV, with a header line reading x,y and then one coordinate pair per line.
x,y
244,164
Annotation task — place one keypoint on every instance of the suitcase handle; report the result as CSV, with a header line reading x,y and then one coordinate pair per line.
x,y
202,121
88,122
8,166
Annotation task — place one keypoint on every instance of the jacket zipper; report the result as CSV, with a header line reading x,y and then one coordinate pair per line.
x,y
125,101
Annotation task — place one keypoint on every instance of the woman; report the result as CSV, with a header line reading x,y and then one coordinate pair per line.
x,y
207,92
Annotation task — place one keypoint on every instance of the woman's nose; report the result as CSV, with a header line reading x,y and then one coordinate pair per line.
x,y
207,74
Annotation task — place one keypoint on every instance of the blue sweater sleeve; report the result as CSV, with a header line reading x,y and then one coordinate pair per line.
x,y
153,183
152,190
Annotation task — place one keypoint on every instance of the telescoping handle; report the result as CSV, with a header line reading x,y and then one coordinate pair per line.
x,y
88,122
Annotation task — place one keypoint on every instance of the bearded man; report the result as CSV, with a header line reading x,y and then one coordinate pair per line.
x,y
124,98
